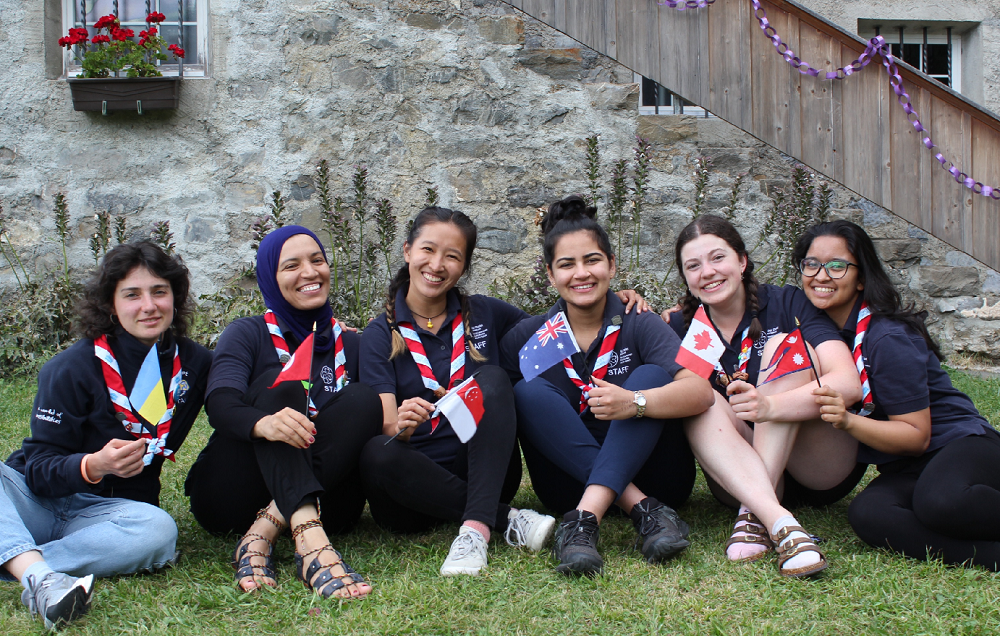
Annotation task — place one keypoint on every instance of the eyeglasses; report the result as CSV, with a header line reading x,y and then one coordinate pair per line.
x,y
834,269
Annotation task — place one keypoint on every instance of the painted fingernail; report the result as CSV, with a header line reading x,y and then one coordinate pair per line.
x,y
312,439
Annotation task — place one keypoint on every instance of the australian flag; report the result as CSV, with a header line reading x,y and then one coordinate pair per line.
x,y
551,344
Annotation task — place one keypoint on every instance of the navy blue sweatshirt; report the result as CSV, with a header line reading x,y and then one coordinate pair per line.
x,y
73,416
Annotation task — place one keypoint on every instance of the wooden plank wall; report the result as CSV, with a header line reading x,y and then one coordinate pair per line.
x,y
852,130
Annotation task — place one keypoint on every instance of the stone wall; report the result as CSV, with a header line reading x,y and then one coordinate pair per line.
x,y
468,96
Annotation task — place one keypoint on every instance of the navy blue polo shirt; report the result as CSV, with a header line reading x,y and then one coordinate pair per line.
x,y
643,339
905,376
777,309
490,319
245,352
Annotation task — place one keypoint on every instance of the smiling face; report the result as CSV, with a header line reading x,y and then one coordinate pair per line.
x,y
834,296
713,271
303,275
436,260
144,305
581,272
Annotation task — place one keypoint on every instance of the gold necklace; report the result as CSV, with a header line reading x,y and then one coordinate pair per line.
x,y
430,323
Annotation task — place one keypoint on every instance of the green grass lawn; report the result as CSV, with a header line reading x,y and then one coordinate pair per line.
x,y
865,591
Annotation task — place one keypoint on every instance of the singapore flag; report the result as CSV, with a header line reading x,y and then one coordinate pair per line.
x,y
463,406
702,347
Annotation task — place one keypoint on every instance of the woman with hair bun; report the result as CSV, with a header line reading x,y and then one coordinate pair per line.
x,y
292,455
796,454
601,429
430,338
938,490
80,498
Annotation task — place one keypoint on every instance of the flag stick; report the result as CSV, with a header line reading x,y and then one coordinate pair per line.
x,y
808,355
309,383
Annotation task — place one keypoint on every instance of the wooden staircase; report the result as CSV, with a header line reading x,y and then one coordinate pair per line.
x,y
851,130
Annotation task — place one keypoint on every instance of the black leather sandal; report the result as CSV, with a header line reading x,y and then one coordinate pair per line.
x,y
318,576
242,554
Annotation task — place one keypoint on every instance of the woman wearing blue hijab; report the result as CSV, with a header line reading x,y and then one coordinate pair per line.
x,y
275,448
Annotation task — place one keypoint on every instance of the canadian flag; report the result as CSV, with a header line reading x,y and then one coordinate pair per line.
x,y
702,347
463,406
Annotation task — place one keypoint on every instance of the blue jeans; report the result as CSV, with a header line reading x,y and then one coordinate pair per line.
x,y
83,533
560,447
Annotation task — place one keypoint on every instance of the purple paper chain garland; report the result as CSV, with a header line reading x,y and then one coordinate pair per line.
x,y
876,46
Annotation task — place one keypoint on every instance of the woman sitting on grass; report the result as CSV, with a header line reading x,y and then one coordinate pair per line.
x,y
80,498
803,459
273,447
430,338
938,491
611,438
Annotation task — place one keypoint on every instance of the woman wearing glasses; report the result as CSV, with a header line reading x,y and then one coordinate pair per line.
x,y
938,492
798,458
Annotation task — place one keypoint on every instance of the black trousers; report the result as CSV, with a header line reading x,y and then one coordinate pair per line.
x,y
232,479
945,504
408,492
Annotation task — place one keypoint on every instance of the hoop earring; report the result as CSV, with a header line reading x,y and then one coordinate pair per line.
x,y
114,320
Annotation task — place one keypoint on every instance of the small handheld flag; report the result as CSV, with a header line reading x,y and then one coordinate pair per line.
x,y
702,347
299,366
148,397
435,416
792,356
463,406
551,344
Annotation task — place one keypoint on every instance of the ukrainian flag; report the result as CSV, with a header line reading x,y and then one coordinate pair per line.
x,y
148,397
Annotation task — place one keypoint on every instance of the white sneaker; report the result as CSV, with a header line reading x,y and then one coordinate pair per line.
x,y
467,554
529,529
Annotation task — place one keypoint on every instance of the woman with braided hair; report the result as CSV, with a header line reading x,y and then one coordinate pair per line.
x,y
431,337
276,448
798,459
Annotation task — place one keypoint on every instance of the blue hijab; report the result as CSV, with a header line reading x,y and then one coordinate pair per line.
x,y
299,322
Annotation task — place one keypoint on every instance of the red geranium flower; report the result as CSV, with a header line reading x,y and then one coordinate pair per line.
x,y
106,22
101,39
155,17
177,51
64,42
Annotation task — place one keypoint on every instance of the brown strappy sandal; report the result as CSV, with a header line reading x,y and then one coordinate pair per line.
x,y
754,533
788,548
318,576
242,554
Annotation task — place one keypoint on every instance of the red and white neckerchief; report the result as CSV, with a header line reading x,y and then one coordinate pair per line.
x,y
416,348
864,317
119,399
600,366
419,354
339,357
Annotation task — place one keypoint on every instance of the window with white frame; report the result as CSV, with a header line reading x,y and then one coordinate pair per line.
x,y
656,99
932,47
186,25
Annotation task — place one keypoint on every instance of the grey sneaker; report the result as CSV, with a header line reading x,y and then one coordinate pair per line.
x,y
662,531
576,544
467,554
58,597
527,528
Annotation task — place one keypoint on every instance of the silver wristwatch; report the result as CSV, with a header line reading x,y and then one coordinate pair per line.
x,y
640,404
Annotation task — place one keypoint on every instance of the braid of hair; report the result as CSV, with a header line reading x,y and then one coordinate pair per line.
x,y
466,313
750,285
689,305
402,279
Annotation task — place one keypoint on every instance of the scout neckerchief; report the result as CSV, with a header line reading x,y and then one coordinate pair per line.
x,y
119,399
864,317
600,366
742,358
339,358
416,348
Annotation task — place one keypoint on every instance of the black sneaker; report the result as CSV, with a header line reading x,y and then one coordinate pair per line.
x,y
576,544
662,531
58,597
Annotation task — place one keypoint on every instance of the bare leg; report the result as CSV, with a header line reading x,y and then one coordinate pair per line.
x,y
20,563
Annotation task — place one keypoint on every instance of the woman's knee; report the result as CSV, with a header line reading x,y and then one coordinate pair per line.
x,y
382,461
647,376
